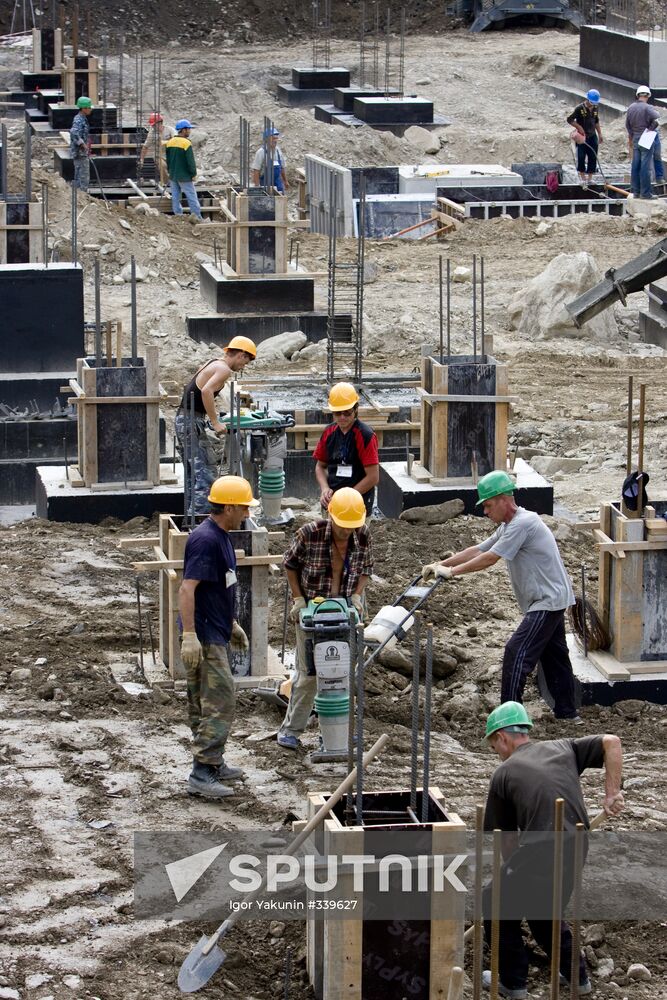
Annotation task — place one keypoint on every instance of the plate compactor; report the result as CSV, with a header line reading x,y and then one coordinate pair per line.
x,y
328,630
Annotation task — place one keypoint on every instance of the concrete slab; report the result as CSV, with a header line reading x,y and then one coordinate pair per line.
x,y
426,178
316,78
595,689
392,111
216,329
636,58
58,500
397,491
250,295
294,97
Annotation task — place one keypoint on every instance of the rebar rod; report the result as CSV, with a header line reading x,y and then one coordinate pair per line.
x,y
141,627
579,843
414,732
495,912
583,609
150,636
27,153
362,50
351,711
401,56
557,899
285,610
387,51
361,270
442,346
133,303
120,81
98,317
628,453
428,687
288,974
640,444
74,225
474,306
4,194
478,934
45,223
191,470
360,726
66,460
481,299
449,309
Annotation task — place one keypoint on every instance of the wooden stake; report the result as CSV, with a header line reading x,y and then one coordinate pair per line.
x,y
557,898
640,450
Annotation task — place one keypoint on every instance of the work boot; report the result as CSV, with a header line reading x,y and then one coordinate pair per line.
x,y
228,773
288,741
520,994
585,985
204,781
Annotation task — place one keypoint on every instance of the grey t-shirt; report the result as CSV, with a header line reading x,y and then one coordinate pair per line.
x,y
539,579
640,116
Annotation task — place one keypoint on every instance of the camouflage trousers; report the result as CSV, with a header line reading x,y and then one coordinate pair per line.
x,y
201,470
211,703
81,172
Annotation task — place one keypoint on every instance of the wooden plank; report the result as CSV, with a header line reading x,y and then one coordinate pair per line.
x,y
501,419
627,595
176,541
140,543
92,398
151,354
608,665
88,419
647,667
447,911
604,567
161,543
342,970
439,457
400,425
452,206
455,398
315,927
299,429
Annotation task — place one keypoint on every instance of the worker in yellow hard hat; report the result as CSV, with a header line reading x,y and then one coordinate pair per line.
x,y
347,452
207,602
330,557
199,395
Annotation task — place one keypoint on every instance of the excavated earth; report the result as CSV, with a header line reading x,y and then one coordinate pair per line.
x,y
76,748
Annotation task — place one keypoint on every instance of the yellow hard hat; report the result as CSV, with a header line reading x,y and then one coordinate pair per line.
x,y
343,396
242,344
232,490
347,508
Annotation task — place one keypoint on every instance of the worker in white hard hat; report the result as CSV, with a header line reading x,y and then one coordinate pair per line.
x,y
641,122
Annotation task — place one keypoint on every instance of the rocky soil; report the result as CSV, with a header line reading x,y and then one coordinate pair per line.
x,y
76,748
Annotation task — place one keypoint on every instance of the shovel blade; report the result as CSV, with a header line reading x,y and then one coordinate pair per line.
x,y
198,968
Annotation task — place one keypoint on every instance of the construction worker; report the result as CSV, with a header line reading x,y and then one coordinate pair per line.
x,y
272,152
521,803
327,558
153,147
541,586
207,601
641,117
79,144
586,120
347,452
199,394
182,170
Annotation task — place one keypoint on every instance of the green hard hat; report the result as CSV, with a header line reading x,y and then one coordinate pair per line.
x,y
84,102
493,484
510,713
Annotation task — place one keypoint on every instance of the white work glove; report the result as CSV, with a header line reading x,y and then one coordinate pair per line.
x,y
358,602
434,570
298,605
239,640
191,651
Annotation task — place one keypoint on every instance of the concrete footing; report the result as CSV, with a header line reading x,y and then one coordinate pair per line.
x,y
397,491
217,329
248,295
58,500
596,689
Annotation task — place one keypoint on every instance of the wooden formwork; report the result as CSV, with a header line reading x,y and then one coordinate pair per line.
x,y
253,564
632,590
39,46
80,76
349,959
21,242
118,423
306,435
464,418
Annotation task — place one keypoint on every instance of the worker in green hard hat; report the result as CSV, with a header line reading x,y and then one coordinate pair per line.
x,y
79,144
541,586
521,802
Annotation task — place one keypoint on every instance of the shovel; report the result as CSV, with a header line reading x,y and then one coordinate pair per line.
x,y
206,958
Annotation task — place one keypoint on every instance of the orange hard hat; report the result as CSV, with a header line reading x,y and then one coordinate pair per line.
x,y
347,508
242,344
343,396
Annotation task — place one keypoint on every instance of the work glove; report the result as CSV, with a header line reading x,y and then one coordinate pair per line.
x,y
239,640
358,602
191,651
298,605
434,570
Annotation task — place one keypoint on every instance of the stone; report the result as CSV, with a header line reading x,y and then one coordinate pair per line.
x,y
41,661
126,273
6,993
316,350
542,228
280,347
296,503
424,140
160,697
591,957
594,935
436,513
538,310
198,137
630,708
276,928
461,274
638,972
37,979
142,208
399,659
547,465
20,674
424,82
125,224
605,969
107,249
371,272
118,280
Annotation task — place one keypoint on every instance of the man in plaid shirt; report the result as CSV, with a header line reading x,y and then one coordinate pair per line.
x,y
327,558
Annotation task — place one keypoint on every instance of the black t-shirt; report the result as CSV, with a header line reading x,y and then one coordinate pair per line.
x,y
587,117
524,787
210,558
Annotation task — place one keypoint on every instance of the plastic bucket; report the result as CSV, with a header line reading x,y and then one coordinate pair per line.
x,y
333,711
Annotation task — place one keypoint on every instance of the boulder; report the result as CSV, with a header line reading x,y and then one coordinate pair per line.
x,y
461,274
280,347
126,273
538,310
435,513
400,659
638,972
605,969
424,140
547,465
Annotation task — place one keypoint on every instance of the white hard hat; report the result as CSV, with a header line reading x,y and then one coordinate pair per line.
x,y
643,91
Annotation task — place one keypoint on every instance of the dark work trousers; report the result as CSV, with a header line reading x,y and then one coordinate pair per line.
x,y
540,636
587,155
528,894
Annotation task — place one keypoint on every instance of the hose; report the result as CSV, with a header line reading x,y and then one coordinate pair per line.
x,y
99,181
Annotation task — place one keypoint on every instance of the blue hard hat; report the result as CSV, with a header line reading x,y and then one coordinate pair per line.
x,y
183,123
593,96
268,132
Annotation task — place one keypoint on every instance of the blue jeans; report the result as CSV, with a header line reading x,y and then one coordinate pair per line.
x,y
642,160
188,189
657,159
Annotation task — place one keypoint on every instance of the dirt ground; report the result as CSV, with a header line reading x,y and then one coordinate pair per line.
x,y
76,748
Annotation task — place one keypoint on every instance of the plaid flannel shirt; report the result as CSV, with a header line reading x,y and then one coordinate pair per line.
x,y
310,556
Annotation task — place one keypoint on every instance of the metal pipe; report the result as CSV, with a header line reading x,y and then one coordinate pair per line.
x,y
98,318
416,653
628,453
360,726
478,939
583,609
557,902
141,627
495,912
474,306
428,687
579,840
133,301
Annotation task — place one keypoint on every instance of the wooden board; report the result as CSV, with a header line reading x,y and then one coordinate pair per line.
x,y
447,908
627,596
